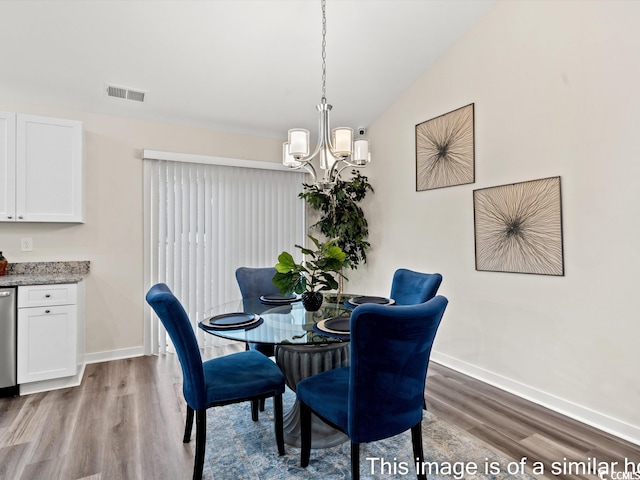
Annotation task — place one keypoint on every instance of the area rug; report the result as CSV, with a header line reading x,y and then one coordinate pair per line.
x,y
238,449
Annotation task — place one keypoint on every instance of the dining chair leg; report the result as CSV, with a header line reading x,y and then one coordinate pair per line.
x,y
262,404
355,461
418,453
201,440
305,435
279,423
254,410
188,425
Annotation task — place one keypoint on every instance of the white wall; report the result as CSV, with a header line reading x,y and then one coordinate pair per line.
x,y
556,92
111,238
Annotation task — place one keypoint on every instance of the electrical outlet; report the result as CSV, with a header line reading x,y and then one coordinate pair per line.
x,y
26,244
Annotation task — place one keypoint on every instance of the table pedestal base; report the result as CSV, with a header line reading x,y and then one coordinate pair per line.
x,y
299,362
322,435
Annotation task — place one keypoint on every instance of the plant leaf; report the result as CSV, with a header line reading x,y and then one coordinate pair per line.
x,y
285,262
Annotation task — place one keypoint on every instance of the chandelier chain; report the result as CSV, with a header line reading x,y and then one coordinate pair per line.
x,y
336,149
324,52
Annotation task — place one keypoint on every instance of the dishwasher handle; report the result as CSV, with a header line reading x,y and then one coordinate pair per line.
x,y
5,294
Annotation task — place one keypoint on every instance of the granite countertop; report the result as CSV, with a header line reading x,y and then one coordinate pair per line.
x,y
44,273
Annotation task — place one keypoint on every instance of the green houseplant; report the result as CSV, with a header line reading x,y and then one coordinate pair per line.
x,y
313,275
342,217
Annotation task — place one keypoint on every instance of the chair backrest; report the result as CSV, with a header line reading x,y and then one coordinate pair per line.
x,y
390,350
176,322
254,282
410,288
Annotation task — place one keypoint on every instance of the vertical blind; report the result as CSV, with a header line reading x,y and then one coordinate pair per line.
x,y
204,221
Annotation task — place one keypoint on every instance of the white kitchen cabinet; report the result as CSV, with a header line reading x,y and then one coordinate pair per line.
x,y
7,166
47,332
42,163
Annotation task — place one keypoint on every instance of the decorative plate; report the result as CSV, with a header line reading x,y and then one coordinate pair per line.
x,y
378,300
337,325
277,299
228,321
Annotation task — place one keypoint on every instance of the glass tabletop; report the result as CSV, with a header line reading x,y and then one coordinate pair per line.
x,y
285,324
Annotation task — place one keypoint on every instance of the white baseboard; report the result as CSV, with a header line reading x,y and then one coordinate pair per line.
x,y
109,355
585,415
74,381
54,384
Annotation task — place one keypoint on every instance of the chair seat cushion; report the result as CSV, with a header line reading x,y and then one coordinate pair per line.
x,y
241,375
327,394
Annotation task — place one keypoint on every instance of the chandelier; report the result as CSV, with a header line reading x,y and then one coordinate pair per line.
x,y
336,149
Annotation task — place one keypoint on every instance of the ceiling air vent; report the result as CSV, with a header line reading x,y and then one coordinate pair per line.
x,y
125,93
135,95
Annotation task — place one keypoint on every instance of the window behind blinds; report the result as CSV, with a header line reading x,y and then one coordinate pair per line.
x,y
203,221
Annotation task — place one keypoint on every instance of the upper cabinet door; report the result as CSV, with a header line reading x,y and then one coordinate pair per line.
x,y
49,170
7,166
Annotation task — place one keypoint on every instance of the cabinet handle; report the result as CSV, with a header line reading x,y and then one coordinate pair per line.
x,y
47,311
20,217
48,295
9,217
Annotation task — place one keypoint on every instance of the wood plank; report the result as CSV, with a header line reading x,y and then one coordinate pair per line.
x,y
126,419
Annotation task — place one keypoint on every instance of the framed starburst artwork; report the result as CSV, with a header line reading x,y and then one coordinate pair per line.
x,y
518,228
445,150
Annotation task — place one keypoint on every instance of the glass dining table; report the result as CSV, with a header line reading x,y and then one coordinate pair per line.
x,y
303,346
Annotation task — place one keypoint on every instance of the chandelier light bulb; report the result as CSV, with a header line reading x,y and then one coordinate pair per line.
x,y
287,158
342,141
361,151
299,142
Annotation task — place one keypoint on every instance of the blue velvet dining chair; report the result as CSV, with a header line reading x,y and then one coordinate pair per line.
x,y
239,377
410,288
253,283
381,394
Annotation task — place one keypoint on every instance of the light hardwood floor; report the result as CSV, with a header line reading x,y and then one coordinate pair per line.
x,y
126,420
518,428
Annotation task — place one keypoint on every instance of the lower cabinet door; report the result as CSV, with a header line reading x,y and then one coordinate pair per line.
x,y
47,343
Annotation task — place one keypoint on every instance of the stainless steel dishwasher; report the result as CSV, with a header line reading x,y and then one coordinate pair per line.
x,y
8,331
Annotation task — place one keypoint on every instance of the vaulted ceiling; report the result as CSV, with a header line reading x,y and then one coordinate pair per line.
x,y
249,66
